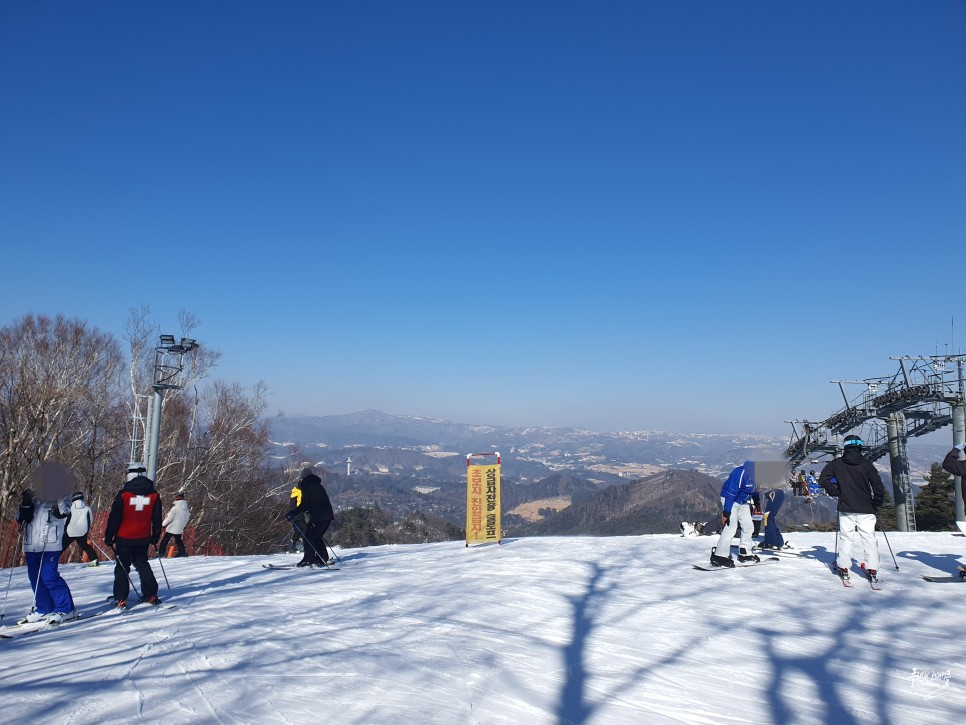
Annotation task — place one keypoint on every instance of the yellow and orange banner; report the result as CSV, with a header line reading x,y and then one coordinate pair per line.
x,y
483,520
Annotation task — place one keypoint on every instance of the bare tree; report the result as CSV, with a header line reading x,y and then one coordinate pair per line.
x,y
58,397
66,391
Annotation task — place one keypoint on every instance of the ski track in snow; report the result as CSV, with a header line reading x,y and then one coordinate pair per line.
x,y
553,630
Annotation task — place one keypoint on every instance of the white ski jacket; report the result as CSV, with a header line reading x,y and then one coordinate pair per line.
x,y
80,519
177,517
46,530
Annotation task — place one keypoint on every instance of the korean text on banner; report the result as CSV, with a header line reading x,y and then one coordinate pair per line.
x,y
483,519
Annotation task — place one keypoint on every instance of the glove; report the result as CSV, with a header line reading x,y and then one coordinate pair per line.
x,y
155,540
290,515
726,518
109,543
833,490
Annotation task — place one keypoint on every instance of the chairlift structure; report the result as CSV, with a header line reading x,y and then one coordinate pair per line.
x,y
925,394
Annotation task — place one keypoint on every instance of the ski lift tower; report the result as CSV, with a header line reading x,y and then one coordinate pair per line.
x,y
924,395
168,364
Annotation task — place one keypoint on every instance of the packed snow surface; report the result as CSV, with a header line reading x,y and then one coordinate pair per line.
x,y
541,630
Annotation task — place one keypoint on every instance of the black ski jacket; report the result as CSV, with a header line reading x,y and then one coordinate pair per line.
x,y
860,489
135,517
315,501
952,463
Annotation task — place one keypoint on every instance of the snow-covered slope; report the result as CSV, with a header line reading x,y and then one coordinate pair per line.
x,y
550,630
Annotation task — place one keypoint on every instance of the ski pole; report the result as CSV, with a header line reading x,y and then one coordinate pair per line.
x,y
3,612
40,569
890,550
836,562
127,570
279,542
162,568
803,503
100,550
332,550
306,538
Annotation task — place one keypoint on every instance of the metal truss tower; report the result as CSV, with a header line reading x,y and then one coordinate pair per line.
x,y
925,394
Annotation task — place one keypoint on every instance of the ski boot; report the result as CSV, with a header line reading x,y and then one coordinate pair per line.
x,y
872,574
32,618
61,617
725,561
842,573
151,600
120,604
745,558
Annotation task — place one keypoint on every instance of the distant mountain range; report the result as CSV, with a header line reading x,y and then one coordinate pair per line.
x,y
607,455
555,480
534,452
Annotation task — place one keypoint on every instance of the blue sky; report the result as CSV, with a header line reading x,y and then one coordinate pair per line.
x,y
619,215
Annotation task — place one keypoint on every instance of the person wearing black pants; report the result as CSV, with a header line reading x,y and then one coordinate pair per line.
x,y
134,524
79,521
174,524
84,544
317,509
138,557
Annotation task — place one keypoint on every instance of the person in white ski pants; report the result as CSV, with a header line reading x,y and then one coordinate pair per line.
x,y
864,526
740,516
856,483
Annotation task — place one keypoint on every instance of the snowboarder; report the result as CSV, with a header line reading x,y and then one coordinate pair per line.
x,y
78,526
773,501
42,520
133,524
317,508
757,515
856,483
735,495
175,522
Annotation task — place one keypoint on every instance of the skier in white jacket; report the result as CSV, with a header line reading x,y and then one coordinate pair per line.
x,y
174,524
43,524
78,527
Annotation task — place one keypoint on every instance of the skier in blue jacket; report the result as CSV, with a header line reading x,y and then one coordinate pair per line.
x,y
735,495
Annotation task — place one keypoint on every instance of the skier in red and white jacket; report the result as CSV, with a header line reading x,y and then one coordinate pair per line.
x,y
133,524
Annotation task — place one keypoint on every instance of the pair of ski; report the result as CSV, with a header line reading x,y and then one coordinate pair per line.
x,y
847,582
21,629
286,567
960,577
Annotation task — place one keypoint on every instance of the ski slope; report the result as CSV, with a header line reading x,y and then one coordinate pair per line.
x,y
541,630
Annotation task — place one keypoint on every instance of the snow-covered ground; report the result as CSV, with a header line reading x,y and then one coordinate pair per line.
x,y
549,630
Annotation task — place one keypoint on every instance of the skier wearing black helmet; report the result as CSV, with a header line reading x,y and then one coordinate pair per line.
x,y
857,485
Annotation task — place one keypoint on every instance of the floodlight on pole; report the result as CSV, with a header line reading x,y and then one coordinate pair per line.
x,y
168,364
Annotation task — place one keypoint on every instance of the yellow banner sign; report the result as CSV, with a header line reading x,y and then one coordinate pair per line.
x,y
483,520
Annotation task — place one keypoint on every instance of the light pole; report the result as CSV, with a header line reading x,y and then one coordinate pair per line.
x,y
168,364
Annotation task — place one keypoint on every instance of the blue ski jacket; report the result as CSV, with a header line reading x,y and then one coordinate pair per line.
x,y
739,486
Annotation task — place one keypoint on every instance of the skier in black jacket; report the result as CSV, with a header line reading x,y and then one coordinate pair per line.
x,y
858,486
317,508
955,466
